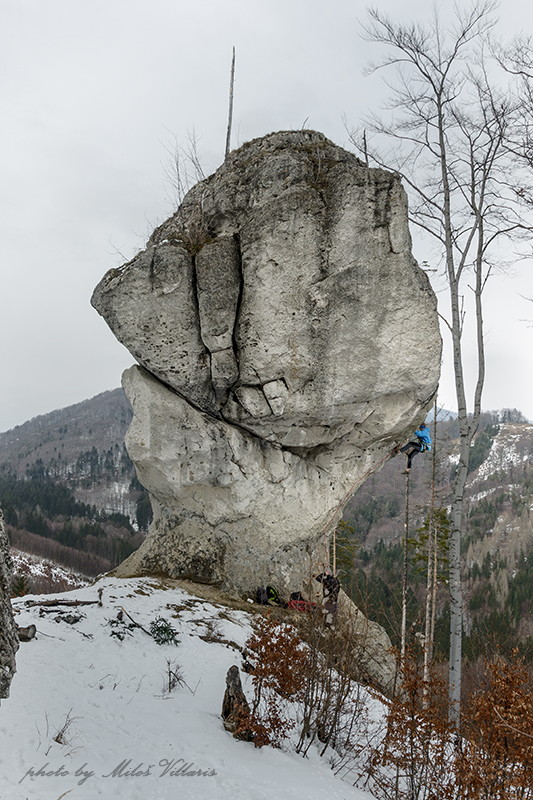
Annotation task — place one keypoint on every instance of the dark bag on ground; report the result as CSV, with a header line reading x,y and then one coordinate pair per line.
x,y
261,596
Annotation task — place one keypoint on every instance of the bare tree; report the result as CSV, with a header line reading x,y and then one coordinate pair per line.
x,y
184,166
431,580
516,58
447,138
230,110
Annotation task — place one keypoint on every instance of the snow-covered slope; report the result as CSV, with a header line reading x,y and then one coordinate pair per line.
x,y
512,447
44,574
89,716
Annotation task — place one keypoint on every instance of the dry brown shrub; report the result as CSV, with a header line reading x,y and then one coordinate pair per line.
x,y
496,761
418,755
415,758
276,657
422,757
314,671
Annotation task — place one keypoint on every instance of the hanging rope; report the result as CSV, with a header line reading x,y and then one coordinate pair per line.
x,y
347,497
405,564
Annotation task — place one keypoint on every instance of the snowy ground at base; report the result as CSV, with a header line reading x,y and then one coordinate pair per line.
x,y
127,735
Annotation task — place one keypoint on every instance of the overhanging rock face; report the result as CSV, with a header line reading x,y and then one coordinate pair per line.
x,y
287,340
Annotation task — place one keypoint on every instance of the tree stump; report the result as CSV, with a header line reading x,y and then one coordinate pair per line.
x,y
235,708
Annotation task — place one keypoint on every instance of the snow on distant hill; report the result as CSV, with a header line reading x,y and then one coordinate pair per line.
x,y
45,575
89,717
81,445
512,447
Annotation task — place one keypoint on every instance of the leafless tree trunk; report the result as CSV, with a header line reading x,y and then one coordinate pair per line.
x,y
447,140
230,111
432,556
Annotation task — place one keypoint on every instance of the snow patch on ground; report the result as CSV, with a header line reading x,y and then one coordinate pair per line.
x,y
125,736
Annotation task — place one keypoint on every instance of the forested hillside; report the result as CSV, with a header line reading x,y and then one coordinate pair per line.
x,y
82,445
68,489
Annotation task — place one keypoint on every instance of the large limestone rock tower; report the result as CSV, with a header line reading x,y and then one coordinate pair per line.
x,y
286,341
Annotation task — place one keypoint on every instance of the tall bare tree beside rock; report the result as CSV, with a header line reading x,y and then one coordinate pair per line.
x,y
447,137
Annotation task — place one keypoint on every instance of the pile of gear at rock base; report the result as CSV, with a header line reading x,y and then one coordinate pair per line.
x,y
331,586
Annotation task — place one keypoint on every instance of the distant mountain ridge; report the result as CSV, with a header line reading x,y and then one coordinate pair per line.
x,y
83,445
69,490
81,410
93,422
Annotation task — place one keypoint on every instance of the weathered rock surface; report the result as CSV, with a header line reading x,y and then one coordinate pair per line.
x,y
283,296
287,340
9,642
372,644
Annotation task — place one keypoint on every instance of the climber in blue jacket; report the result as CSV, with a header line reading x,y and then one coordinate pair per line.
x,y
423,443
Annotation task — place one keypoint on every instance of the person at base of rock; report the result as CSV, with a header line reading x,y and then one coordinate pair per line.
x,y
422,444
331,587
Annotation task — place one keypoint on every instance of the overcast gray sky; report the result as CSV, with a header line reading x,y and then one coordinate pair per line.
x,y
92,95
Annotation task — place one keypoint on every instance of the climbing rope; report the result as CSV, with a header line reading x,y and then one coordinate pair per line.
x,y
347,497
405,563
